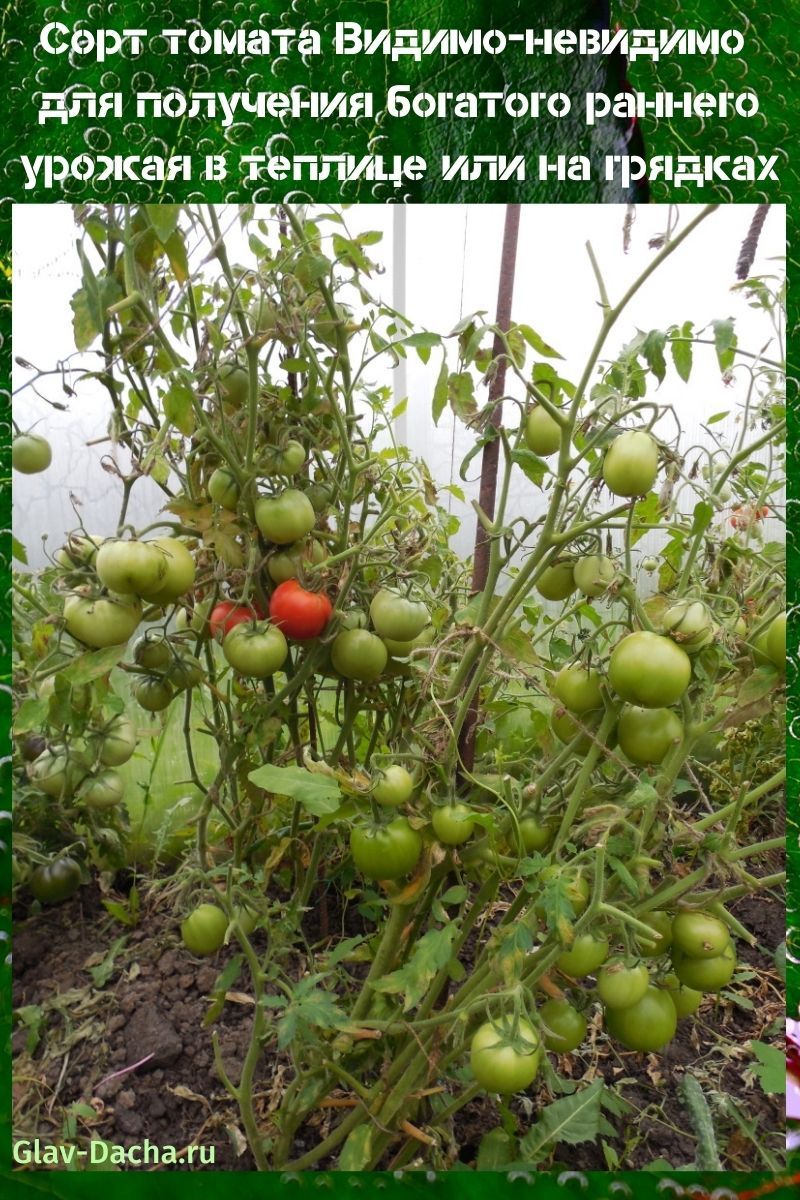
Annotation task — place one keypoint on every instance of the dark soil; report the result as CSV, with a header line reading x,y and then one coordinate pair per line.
x,y
96,1033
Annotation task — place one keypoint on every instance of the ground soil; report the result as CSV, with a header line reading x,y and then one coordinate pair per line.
x,y
132,1050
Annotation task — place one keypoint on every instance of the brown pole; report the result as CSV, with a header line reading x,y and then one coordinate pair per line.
x,y
491,451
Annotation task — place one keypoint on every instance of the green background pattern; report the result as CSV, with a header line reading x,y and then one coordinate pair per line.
x,y
770,66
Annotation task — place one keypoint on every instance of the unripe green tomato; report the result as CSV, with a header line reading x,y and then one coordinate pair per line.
x,y
705,974
776,641
502,1063
563,1027
650,564
649,670
290,563
151,651
233,383
116,741
103,790
647,1025
690,624
594,574
535,834
285,460
630,465
453,823
203,931
557,582
357,654
661,923
699,934
686,1000
396,616
578,688
646,734
179,571
285,518
30,453
584,956
565,727
619,985
542,433
223,489
153,693
740,628
394,786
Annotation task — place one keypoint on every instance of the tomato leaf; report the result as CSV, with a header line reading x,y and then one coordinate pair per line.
x,y
440,393
771,1069
357,1149
164,219
32,715
317,794
570,1120
497,1149
92,665
431,953
461,394
533,467
682,349
652,350
179,407
725,341
178,258
537,342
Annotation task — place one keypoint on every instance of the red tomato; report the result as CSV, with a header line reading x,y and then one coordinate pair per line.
x,y
228,614
300,614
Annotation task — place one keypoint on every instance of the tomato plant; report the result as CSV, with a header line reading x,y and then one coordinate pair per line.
x,y
447,806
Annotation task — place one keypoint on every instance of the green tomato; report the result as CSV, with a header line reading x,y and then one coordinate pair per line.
x,y
564,726
535,834
649,670
286,460
704,974
650,564
30,453
699,934
131,567
107,621
58,771
291,563
504,1061
185,671
630,465
776,642
594,574
233,383
690,624
357,654
80,550
578,688
686,1000
563,1027
320,495
620,985
203,931
256,650
285,518
103,790
584,956
153,694
453,823
396,617
394,786
646,734
55,881
661,924
115,743
179,571
557,582
647,1025
542,432
223,489
385,851
152,651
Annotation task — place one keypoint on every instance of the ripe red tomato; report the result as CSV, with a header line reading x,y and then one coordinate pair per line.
x,y
228,614
300,614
